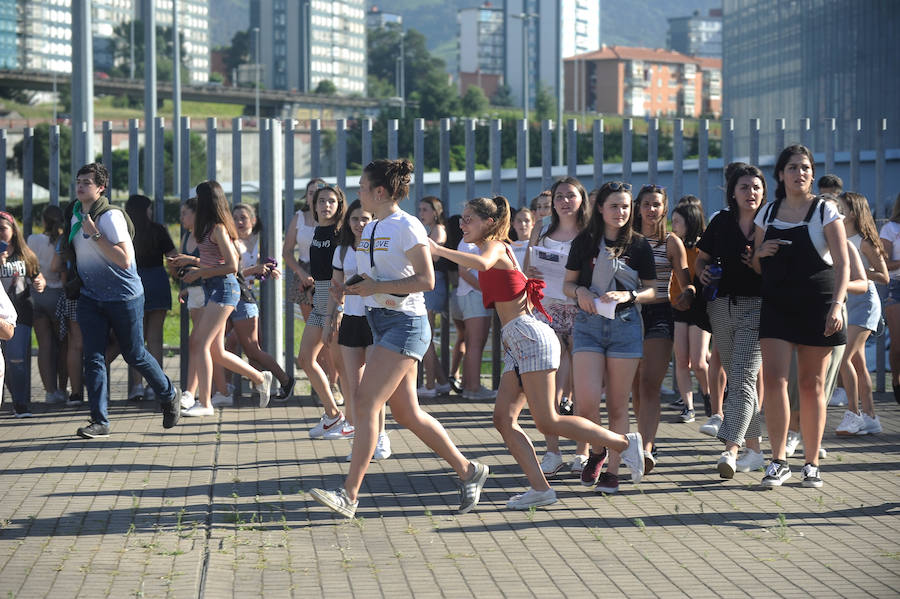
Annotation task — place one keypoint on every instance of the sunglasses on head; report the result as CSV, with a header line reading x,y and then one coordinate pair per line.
x,y
653,188
618,186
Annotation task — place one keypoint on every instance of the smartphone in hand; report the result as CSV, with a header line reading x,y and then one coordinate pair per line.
x,y
357,278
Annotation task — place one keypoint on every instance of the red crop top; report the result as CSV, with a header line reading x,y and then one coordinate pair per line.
x,y
499,285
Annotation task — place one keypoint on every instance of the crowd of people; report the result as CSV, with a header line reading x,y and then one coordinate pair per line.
x,y
768,304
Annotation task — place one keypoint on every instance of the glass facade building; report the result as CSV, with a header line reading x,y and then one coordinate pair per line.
x,y
696,35
305,42
811,58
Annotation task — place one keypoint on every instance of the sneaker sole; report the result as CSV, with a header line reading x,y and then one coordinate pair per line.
x,y
607,490
709,431
812,484
771,484
725,470
541,503
334,508
850,433
85,435
553,472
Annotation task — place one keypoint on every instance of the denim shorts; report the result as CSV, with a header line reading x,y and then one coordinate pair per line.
x,y
222,290
864,310
436,299
245,311
659,322
400,332
620,337
529,345
472,305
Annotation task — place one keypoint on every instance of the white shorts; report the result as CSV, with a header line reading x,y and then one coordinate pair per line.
x,y
529,345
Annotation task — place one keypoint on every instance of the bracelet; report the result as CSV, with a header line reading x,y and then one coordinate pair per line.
x,y
835,302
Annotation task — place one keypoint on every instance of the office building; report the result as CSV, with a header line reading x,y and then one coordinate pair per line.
x,y
305,42
817,59
633,81
378,19
556,30
696,35
480,46
42,31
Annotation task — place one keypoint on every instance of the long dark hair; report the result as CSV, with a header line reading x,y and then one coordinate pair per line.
x,y
784,158
690,209
315,181
583,216
454,233
639,221
393,175
136,208
212,210
18,247
53,222
596,229
858,206
347,237
747,170
342,204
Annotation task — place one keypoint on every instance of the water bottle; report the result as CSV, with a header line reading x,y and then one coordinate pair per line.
x,y
715,275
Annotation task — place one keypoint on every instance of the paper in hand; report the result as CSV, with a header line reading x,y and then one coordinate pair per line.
x,y
605,309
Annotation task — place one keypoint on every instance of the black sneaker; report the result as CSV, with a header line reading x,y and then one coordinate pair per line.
x,y
93,431
897,394
591,471
566,407
75,400
677,403
171,411
285,391
687,415
810,477
455,384
776,474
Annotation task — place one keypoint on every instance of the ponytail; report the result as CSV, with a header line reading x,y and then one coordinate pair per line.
x,y
393,175
496,208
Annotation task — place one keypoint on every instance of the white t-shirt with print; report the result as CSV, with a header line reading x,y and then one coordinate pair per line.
x,y
891,232
816,226
394,236
353,304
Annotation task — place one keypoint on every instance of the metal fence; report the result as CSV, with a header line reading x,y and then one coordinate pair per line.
x,y
279,185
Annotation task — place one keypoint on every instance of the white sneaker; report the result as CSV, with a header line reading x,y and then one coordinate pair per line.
x,y
136,393
382,448
326,426
712,425
427,393
551,463
577,463
838,397
187,400
265,388
197,410
482,394
726,465
633,456
348,430
220,400
749,461
793,440
851,424
872,426
530,499
444,389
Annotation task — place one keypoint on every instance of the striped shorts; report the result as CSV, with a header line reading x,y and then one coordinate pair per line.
x,y
320,304
529,345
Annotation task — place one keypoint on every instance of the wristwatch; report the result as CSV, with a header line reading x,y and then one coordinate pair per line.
x,y
339,308
96,236
634,296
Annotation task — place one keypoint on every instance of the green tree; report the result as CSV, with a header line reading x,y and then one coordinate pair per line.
x,y
238,52
42,157
474,103
544,103
503,96
326,87
164,52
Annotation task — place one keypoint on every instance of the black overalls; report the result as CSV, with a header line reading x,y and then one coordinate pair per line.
x,y
797,286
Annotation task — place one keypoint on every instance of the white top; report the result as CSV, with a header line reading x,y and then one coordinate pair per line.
x,y
856,240
891,232
464,287
556,246
394,236
45,249
815,228
304,236
353,304
520,250
250,255
7,311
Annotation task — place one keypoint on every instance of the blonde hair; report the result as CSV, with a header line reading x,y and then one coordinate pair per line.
x,y
496,208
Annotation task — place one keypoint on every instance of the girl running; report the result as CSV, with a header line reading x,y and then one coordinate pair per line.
x,y
531,350
395,265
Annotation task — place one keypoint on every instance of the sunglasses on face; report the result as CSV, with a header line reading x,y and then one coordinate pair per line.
x,y
618,186
653,188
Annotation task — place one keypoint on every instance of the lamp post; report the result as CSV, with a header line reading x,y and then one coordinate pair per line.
x,y
256,47
525,17
401,77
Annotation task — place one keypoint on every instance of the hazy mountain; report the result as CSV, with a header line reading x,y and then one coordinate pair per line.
x,y
624,22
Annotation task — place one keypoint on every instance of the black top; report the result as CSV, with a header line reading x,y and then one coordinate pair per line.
x,y
637,256
321,252
150,252
724,239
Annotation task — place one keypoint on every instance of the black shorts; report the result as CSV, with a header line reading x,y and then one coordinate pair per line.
x,y
355,332
658,321
694,316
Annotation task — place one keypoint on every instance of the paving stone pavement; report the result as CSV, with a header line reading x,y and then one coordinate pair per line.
x,y
218,507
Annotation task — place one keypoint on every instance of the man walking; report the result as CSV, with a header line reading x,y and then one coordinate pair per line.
x,y
98,237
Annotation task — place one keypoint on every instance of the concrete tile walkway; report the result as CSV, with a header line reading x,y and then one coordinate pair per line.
x,y
218,507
